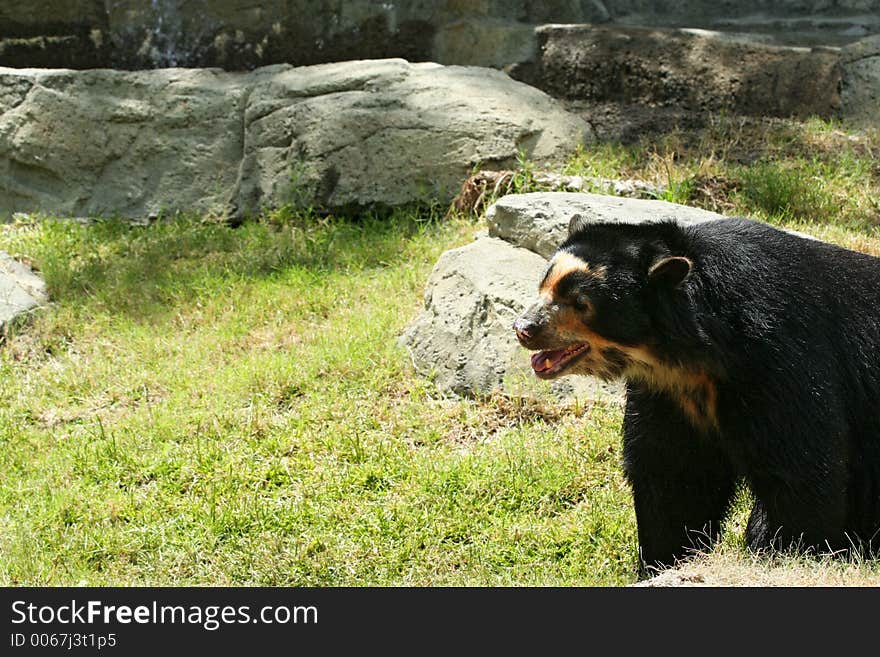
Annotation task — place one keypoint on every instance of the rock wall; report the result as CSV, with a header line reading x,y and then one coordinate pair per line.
x,y
335,136
779,58
860,89
692,70
241,34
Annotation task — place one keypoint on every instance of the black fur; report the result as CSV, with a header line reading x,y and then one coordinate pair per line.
x,y
789,330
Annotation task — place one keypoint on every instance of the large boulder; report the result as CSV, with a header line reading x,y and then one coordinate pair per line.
x,y
336,136
389,132
690,69
463,339
100,142
539,221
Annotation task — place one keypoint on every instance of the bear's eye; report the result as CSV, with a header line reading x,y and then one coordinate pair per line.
x,y
580,301
574,290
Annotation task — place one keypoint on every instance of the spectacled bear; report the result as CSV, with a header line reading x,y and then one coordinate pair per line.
x,y
749,354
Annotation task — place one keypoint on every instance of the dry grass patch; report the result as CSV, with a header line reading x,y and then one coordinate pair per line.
x,y
725,567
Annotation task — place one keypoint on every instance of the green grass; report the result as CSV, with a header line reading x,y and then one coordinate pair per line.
x,y
210,405
779,171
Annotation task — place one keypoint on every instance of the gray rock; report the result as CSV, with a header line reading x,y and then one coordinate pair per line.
x,y
691,69
110,143
860,91
539,221
463,339
390,132
136,144
485,42
242,34
21,290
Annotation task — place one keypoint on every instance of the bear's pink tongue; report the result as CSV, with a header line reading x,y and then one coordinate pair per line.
x,y
545,360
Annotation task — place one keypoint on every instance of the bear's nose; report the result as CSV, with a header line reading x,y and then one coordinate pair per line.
x,y
524,329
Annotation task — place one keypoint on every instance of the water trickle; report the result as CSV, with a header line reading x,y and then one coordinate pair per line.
x,y
170,45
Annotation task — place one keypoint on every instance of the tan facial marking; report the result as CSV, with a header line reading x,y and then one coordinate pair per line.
x,y
569,323
564,263
693,390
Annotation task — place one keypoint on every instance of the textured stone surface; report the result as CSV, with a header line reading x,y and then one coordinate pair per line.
x,y
484,42
695,70
21,289
861,81
391,133
539,221
463,338
101,142
242,34
731,56
339,136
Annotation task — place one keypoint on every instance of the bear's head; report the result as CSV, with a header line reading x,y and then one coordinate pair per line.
x,y
604,302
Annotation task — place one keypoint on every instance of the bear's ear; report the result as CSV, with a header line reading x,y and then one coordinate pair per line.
x,y
670,271
575,224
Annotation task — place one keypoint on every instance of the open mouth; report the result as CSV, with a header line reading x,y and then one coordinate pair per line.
x,y
548,364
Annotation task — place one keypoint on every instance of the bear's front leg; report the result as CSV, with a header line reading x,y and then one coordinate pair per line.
x,y
682,482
